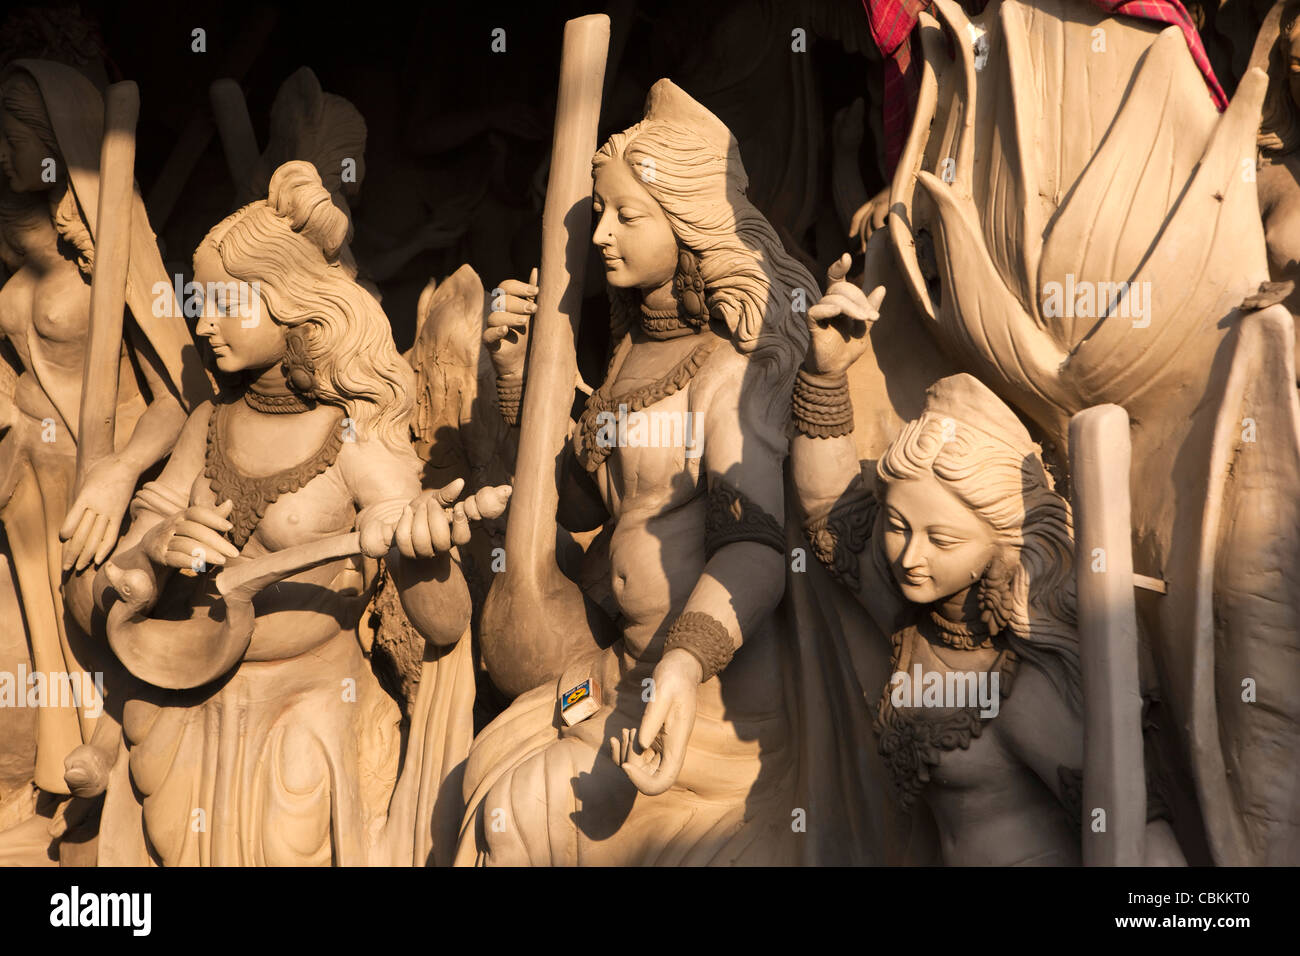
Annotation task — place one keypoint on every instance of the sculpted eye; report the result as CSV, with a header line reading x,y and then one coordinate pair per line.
x,y
946,541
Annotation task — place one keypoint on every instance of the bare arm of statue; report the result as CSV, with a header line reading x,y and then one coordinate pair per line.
x,y
94,520
410,529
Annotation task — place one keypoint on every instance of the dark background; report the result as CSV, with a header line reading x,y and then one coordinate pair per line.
x,y
458,135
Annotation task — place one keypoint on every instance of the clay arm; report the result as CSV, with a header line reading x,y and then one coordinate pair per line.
x,y
837,508
1045,733
409,529
93,521
744,577
155,503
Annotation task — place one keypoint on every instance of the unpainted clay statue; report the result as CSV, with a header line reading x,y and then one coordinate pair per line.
x,y
690,753
964,556
51,118
1069,263
264,737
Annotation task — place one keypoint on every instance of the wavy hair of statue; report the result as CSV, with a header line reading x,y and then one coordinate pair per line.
x,y
21,98
291,245
750,280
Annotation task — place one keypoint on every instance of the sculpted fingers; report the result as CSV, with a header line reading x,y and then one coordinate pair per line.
x,y
92,541
439,527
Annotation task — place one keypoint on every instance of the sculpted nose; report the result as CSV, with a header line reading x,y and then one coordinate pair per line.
x,y
913,552
603,237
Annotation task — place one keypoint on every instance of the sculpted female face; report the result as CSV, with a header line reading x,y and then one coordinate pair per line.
x,y
22,156
936,546
632,232
240,331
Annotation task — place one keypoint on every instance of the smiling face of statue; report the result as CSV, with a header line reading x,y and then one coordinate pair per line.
x,y
632,233
936,546
240,331
22,156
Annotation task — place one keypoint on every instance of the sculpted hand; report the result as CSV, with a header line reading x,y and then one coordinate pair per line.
x,y
197,532
434,520
506,335
671,710
90,528
871,215
839,323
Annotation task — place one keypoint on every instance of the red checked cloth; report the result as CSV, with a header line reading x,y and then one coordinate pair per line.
x,y
892,22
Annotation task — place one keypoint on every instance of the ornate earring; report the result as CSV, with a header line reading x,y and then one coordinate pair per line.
x,y
688,288
298,368
996,591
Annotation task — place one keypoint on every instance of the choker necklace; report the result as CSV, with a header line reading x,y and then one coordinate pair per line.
x,y
664,324
961,636
290,404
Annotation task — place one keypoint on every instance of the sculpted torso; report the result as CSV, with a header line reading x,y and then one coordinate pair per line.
x,y
48,300
309,607
656,496
990,801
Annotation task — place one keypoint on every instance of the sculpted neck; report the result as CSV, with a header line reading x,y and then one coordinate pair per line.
x,y
962,608
270,381
660,297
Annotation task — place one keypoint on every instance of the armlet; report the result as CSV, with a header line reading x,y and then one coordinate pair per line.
x,y
839,540
730,516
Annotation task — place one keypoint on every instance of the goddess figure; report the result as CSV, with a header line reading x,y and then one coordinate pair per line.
x,y
290,755
50,120
964,555
696,704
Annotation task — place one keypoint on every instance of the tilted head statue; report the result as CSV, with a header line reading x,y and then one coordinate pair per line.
x,y
289,249
966,501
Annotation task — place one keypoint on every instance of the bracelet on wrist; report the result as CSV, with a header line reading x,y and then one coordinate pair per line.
x,y
704,638
821,405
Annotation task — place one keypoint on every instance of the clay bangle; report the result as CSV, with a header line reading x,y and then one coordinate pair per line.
x,y
821,405
705,639
509,398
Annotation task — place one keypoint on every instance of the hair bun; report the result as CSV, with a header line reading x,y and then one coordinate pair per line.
x,y
297,194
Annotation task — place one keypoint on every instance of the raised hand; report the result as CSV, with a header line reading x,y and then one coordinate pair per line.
x,y
506,335
840,322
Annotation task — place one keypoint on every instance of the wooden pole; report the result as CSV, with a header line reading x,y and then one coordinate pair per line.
x,y
97,419
535,620
1114,775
